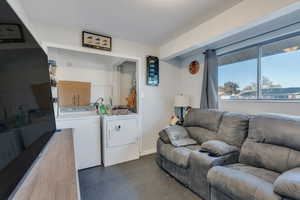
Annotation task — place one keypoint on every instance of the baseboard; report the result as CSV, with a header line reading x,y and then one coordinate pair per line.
x,y
147,152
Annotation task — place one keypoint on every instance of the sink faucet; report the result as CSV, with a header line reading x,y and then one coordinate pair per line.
x,y
96,104
97,101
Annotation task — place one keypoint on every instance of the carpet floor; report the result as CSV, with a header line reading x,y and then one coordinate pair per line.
x,y
135,180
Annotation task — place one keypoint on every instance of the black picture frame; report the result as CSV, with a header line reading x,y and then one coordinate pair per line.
x,y
16,34
95,41
152,71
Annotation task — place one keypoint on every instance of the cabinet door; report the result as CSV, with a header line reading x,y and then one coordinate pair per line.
x,y
66,94
83,92
74,93
88,143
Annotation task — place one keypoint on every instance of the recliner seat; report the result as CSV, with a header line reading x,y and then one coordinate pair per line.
x,y
190,166
268,165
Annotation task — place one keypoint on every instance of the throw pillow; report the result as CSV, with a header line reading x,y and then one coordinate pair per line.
x,y
218,148
179,136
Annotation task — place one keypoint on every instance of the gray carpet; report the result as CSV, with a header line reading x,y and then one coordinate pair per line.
x,y
136,180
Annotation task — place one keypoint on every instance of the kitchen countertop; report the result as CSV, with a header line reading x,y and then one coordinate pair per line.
x,y
77,115
88,115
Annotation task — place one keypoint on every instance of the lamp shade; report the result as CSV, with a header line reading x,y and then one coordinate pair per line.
x,y
181,101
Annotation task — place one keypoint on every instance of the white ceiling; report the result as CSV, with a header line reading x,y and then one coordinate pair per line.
x,y
147,21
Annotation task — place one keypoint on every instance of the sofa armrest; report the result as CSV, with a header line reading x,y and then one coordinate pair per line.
x,y
164,137
205,161
288,184
177,136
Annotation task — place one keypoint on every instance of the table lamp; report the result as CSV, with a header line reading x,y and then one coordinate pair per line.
x,y
181,101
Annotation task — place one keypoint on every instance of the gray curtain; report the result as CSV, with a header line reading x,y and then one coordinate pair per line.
x,y
209,95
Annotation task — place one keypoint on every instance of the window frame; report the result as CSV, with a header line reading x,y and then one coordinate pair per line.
x,y
259,47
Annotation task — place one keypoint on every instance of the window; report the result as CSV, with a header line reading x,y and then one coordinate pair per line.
x,y
238,75
268,71
280,69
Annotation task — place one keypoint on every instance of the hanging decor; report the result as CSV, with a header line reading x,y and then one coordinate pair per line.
x,y
194,67
96,41
152,71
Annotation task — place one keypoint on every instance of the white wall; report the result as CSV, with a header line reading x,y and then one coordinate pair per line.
x,y
256,107
191,84
18,8
241,15
245,15
156,102
76,66
159,104
127,80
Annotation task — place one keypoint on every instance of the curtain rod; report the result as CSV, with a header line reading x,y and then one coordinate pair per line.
x,y
259,35
205,52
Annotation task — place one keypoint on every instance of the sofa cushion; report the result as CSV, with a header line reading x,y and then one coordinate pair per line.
x,y
281,130
218,148
184,142
288,184
242,182
177,155
201,134
267,175
269,156
179,136
194,147
205,118
273,143
233,128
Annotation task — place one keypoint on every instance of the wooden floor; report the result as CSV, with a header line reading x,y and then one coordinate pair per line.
x,y
136,180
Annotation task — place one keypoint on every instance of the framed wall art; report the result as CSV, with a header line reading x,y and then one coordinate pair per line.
x,y
96,41
152,71
11,33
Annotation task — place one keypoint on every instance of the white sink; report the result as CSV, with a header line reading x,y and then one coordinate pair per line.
x,y
73,115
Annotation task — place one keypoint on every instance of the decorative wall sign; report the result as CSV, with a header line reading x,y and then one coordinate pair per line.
x,y
152,71
96,41
11,33
194,67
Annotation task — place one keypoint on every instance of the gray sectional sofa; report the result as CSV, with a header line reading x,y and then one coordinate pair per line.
x,y
189,165
237,157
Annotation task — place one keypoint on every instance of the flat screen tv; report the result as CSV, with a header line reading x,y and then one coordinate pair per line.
x,y
26,111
